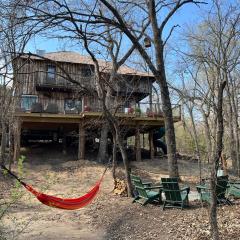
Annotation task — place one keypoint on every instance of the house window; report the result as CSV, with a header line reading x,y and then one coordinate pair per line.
x,y
86,72
73,105
27,101
51,72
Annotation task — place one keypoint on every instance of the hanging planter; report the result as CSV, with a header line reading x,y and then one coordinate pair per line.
x,y
147,42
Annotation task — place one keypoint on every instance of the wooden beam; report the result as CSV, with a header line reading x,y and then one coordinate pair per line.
x,y
17,140
138,144
151,146
81,142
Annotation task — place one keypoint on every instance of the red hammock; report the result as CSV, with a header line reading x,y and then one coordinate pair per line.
x,y
62,203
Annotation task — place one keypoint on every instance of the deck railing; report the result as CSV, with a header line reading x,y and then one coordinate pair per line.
x,y
61,106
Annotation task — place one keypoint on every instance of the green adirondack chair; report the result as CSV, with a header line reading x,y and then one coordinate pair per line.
x,y
221,188
174,196
137,178
146,193
234,189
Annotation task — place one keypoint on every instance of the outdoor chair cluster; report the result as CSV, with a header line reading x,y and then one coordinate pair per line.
x,y
221,190
174,195
146,192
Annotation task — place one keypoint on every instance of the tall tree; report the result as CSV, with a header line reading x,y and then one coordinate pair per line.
x,y
151,10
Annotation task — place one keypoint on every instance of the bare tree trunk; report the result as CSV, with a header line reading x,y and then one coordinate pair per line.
x,y
215,164
207,135
3,143
169,125
167,106
17,140
114,159
237,144
11,146
125,161
232,140
102,151
196,144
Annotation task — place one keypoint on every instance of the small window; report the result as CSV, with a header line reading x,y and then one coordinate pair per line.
x,y
51,72
73,105
27,101
86,72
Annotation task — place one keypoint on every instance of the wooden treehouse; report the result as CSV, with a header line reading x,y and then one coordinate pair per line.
x,y
52,108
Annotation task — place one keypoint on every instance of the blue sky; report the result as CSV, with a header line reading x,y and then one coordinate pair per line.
x,y
188,15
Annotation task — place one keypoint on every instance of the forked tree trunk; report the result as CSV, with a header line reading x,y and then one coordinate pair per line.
x,y
215,164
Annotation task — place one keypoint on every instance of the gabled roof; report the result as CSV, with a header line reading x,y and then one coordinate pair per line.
x,y
74,57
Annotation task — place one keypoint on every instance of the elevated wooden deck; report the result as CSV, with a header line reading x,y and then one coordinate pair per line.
x,y
86,117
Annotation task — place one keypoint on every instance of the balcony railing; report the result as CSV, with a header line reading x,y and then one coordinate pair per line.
x,y
61,106
61,81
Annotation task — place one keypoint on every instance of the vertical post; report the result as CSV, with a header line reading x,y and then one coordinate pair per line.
x,y
138,144
143,140
81,142
17,140
151,145
64,144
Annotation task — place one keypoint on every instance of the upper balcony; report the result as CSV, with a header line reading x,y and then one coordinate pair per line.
x,y
56,82
61,83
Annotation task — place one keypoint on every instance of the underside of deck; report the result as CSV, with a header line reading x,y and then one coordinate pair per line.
x,y
85,127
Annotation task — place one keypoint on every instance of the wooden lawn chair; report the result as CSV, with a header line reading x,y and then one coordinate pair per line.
x,y
174,196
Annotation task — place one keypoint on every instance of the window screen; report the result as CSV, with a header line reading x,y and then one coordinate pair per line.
x,y
27,101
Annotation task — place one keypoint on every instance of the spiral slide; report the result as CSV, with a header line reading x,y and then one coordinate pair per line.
x,y
157,142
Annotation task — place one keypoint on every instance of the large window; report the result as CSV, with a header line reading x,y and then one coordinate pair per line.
x,y
51,72
27,101
73,105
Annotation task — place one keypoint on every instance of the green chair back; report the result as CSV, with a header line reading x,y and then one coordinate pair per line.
x,y
134,178
171,189
140,188
222,183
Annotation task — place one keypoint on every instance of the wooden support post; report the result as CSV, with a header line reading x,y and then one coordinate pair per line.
x,y
151,146
138,144
143,141
81,142
64,144
17,140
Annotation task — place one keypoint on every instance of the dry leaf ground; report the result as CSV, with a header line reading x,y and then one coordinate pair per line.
x,y
109,216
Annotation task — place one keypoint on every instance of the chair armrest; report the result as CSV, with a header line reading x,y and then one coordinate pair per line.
x,y
201,188
235,186
147,183
233,182
153,187
185,189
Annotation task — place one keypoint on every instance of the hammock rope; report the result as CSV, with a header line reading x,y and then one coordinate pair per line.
x,y
62,203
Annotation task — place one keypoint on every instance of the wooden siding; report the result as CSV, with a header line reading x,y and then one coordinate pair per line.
x,y
33,73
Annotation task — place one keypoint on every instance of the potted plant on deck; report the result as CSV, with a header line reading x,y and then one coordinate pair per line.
x,y
138,111
87,109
